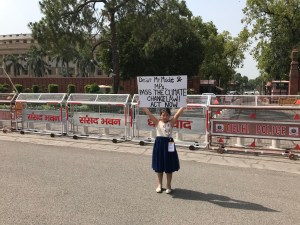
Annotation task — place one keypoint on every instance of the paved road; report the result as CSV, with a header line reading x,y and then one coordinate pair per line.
x,y
66,181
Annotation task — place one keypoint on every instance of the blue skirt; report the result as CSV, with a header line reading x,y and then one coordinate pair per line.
x,y
162,159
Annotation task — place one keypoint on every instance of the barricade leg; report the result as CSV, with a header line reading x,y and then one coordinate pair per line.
x,y
178,136
30,125
275,144
206,138
106,131
1,124
85,130
152,134
240,142
48,126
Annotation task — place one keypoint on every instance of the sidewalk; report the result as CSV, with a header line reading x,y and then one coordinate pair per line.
x,y
265,162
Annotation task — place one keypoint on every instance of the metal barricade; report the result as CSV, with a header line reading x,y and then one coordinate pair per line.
x,y
190,130
7,112
264,124
99,116
42,113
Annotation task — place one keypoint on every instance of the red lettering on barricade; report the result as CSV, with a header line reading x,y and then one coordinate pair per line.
x,y
180,124
258,129
88,120
51,118
183,124
237,128
150,123
34,116
272,130
111,121
117,122
106,121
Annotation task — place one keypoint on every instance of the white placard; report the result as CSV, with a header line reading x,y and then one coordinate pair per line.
x,y
162,91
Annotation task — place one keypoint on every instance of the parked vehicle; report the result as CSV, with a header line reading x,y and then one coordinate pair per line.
x,y
208,94
251,93
232,93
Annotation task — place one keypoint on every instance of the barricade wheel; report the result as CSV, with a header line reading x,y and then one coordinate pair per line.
x,y
75,137
22,132
52,135
221,150
142,143
114,140
192,147
292,156
64,134
4,131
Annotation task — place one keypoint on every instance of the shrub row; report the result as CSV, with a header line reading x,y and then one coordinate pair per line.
x,y
53,88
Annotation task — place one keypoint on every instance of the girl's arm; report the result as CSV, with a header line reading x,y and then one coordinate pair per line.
x,y
176,116
152,118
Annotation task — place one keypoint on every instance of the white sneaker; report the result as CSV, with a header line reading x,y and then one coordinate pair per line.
x,y
158,190
168,191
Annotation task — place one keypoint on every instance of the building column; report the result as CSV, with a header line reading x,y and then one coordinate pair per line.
x,y
2,65
294,74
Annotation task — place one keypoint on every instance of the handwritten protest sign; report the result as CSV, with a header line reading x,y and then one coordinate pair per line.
x,y
162,91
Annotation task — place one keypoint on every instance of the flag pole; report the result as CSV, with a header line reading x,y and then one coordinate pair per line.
x,y
16,90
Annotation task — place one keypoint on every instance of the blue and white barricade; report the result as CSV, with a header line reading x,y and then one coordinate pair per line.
x,y
42,113
99,116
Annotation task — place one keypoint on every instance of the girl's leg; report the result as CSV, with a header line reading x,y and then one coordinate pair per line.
x,y
159,181
169,180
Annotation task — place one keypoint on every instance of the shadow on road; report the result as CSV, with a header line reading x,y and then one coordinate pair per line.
x,y
220,200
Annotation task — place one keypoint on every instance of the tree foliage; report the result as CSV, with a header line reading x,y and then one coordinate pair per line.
x,y
153,42
223,53
275,25
35,61
62,30
14,62
131,38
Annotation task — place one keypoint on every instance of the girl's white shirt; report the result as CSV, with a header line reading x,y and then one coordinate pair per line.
x,y
164,129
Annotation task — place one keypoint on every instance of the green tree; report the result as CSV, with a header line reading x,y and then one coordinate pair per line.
x,y
223,53
69,24
35,89
4,88
53,88
134,37
19,88
35,59
62,30
152,41
15,62
71,89
276,27
85,62
92,88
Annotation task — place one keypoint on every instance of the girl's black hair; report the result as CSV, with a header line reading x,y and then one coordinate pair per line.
x,y
165,110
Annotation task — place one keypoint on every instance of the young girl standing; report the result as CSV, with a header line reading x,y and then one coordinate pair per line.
x,y
164,157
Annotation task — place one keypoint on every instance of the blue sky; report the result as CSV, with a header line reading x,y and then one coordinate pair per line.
x,y
225,14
